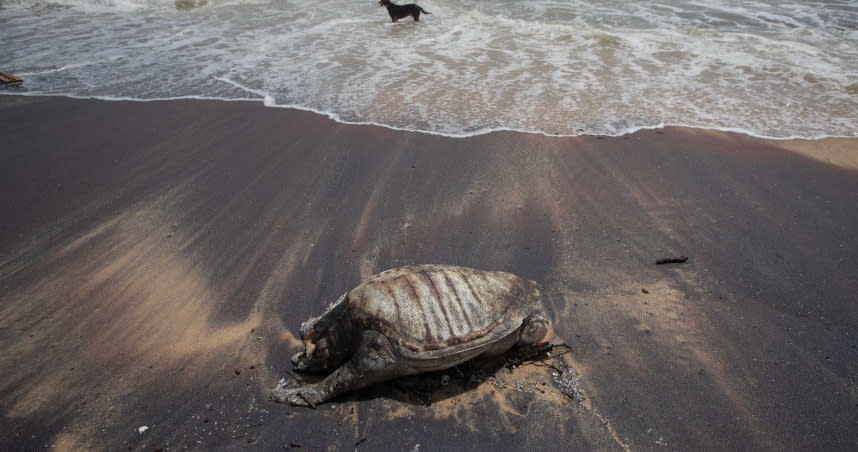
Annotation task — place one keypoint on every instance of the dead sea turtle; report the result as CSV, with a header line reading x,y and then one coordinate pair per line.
x,y
410,320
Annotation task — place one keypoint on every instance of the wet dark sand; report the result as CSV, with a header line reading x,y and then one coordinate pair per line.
x,y
157,258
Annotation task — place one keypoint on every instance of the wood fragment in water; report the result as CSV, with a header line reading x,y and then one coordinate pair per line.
x,y
9,79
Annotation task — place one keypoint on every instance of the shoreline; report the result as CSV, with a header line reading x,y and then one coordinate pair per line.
x,y
157,259
793,142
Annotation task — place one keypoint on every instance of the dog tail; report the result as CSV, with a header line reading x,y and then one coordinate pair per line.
x,y
423,10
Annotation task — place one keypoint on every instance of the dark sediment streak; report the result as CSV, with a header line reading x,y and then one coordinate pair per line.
x,y
155,259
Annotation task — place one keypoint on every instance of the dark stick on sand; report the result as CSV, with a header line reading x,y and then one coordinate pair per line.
x,y
671,260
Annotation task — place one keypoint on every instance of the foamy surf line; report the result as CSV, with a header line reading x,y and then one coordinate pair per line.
x,y
268,102
53,70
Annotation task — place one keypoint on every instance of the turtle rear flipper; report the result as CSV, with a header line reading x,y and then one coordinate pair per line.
x,y
534,329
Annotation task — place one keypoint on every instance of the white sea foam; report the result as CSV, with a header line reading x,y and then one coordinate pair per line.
x,y
544,66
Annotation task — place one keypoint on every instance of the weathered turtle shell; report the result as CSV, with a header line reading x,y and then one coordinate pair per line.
x,y
430,311
410,320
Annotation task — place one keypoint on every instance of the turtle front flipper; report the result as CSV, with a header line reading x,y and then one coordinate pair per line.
x,y
305,396
373,362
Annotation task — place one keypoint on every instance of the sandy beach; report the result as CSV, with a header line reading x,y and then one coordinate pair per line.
x,y
157,259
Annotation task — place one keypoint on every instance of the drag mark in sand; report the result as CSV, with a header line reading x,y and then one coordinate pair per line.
x,y
112,310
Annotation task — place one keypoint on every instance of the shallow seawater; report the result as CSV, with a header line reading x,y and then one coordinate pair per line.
x,y
766,67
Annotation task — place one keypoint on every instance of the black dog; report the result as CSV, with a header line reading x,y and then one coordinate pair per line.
x,y
399,11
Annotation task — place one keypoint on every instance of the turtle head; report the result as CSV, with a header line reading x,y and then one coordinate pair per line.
x,y
326,341
317,351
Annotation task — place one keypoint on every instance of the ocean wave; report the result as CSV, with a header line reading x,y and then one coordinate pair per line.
x,y
606,68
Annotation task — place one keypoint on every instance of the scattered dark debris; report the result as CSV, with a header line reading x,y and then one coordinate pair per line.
x,y
422,389
419,388
671,260
358,442
644,290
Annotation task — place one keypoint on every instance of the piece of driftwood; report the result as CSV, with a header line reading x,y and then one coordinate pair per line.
x,y
671,260
515,357
9,79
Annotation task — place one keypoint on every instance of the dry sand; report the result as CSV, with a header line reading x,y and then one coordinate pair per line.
x,y
156,260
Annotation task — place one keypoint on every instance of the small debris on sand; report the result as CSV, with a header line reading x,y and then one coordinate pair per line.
x,y
671,260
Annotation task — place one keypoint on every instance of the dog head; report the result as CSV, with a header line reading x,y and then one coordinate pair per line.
x,y
383,2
